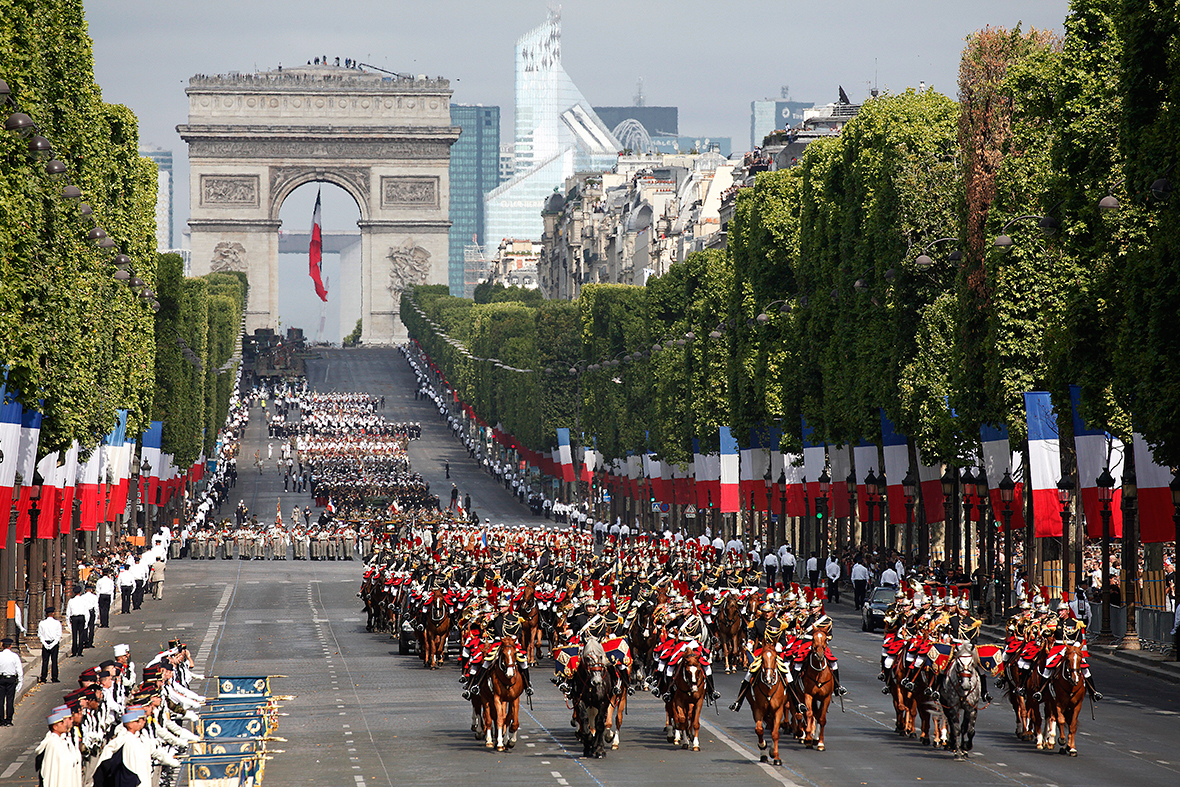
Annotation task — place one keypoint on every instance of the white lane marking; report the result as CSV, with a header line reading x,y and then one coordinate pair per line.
x,y
742,750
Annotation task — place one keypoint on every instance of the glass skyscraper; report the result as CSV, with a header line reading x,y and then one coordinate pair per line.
x,y
556,135
475,170
163,159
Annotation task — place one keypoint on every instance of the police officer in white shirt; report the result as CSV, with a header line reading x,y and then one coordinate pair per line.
x,y
105,588
860,582
77,610
786,563
832,570
49,631
770,566
813,570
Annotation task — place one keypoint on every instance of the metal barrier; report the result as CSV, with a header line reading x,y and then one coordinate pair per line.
x,y
1154,626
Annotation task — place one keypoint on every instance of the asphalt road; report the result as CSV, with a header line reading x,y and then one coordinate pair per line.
x,y
363,715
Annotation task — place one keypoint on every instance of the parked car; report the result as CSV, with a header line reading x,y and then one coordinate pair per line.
x,y
872,614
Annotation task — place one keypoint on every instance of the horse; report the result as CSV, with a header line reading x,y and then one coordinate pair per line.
x,y
688,697
904,707
530,615
1065,693
593,691
436,621
926,707
1020,687
614,714
500,693
960,691
730,628
768,700
817,685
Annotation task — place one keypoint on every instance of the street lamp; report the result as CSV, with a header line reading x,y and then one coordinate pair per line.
x,y
888,532
1064,495
870,490
1047,223
1007,493
782,503
765,531
1130,561
1105,483
909,488
950,531
967,485
825,486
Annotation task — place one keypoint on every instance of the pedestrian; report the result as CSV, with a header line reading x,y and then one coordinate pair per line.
x,y
813,570
12,678
832,570
126,586
860,583
49,631
59,760
76,613
156,578
770,566
91,600
447,466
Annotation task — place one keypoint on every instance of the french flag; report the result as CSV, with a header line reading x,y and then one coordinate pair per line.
x,y
730,472
1155,495
864,456
814,461
897,466
26,465
152,456
634,474
1096,449
589,462
88,492
755,461
68,478
1044,460
564,455
316,252
930,479
793,472
841,466
47,508
10,418
656,474
999,458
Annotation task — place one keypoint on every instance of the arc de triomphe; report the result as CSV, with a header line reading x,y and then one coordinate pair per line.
x,y
386,140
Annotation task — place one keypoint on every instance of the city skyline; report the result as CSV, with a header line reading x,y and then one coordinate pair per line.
x,y
146,52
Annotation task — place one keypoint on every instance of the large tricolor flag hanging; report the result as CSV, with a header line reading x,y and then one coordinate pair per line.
x,y
897,466
1096,450
998,459
565,455
1044,463
730,484
841,459
864,457
151,463
30,435
316,252
815,459
1155,496
68,481
88,491
47,507
10,415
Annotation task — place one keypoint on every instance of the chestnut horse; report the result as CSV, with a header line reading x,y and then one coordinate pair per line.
x,y
731,633
816,684
530,615
1063,701
688,698
499,696
436,623
768,700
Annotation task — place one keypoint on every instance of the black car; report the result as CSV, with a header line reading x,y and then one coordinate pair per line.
x,y
872,614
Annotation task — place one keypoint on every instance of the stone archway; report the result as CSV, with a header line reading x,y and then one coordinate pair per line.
x,y
255,138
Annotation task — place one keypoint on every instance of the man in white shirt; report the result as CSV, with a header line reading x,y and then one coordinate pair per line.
x,y
813,570
718,545
786,564
105,588
832,570
77,611
889,577
734,545
91,600
860,583
49,631
126,588
12,678
770,566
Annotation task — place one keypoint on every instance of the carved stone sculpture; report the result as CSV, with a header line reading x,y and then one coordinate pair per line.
x,y
409,264
228,256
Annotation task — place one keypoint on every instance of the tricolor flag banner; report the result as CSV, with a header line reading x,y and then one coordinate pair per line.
x,y
1044,459
841,466
730,472
10,417
69,481
793,471
999,458
47,508
1155,495
30,436
864,456
565,455
1096,450
151,462
682,492
655,472
897,466
316,252
634,474
88,481
930,479
814,460
589,462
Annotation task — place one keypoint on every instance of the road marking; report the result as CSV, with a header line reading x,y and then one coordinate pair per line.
x,y
743,751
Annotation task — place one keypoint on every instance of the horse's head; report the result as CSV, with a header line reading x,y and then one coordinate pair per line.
x,y
819,641
594,660
769,657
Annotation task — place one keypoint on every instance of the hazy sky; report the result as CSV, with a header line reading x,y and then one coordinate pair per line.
x,y
709,59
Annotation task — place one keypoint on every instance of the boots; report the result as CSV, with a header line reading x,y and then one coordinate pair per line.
x,y
528,684
741,697
1094,693
984,695
472,684
840,690
713,693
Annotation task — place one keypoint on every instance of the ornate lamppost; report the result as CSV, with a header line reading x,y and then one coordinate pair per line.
x,y
1007,493
1064,495
1105,484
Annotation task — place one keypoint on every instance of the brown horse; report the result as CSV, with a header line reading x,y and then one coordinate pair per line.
x,y
499,697
1064,695
436,625
816,685
731,633
1020,688
688,698
530,615
768,700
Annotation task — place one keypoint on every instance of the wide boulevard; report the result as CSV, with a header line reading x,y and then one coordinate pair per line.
x,y
363,715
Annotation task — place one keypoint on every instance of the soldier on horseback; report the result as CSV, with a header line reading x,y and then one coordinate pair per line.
x,y
506,623
1069,631
963,627
766,631
689,630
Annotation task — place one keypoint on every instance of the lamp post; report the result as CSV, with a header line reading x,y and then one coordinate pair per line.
x,y
766,533
910,489
888,530
950,540
782,503
870,489
825,486
1175,487
850,483
1007,492
1064,495
1105,484
968,489
1130,561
